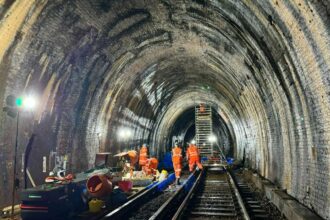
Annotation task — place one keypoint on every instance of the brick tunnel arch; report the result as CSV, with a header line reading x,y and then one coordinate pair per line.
x,y
98,66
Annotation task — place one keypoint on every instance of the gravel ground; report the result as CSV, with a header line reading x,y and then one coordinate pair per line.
x,y
274,213
148,209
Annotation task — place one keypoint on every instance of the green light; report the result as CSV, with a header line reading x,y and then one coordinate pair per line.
x,y
35,196
19,101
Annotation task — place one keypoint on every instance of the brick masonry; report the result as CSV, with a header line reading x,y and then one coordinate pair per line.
x,y
98,66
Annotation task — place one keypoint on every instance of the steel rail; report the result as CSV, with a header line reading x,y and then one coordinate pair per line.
x,y
110,209
122,210
188,197
175,199
142,191
137,200
238,196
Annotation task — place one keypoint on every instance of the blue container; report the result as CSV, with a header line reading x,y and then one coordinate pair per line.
x,y
167,162
203,159
163,185
230,160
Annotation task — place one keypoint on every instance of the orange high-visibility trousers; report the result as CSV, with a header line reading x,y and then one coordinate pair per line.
x,y
177,160
193,156
194,161
177,169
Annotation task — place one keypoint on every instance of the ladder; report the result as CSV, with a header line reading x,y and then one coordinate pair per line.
x,y
203,124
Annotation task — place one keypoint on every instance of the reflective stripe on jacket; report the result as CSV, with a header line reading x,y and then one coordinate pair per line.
x,y
177,155
143,155
192,151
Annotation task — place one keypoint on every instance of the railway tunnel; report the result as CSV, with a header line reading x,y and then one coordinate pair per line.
x,y
101,67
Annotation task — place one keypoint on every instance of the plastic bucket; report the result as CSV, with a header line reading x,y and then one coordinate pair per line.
x,y
125,185
95,205
99,185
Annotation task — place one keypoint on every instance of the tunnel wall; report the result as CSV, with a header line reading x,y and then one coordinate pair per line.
x,y
101,65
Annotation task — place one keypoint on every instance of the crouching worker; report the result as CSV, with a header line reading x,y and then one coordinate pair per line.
x,y
177,162
151,165
193,157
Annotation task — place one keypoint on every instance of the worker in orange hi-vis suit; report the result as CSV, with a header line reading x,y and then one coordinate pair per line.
x,y
151,165
201,108
143,156
193,157
177,162
133,156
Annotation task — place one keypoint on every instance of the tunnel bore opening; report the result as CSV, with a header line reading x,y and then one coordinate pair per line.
x,y
183,130
190,134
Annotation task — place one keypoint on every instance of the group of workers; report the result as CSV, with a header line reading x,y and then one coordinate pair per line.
x,y
192,156
149,165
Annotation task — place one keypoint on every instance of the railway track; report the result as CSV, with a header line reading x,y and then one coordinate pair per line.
x,y
210,194
213,197
147,210
254,208
146,204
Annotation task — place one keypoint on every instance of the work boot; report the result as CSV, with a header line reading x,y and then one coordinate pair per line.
x,y
177,181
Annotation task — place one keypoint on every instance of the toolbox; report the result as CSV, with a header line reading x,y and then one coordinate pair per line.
x,y
52,201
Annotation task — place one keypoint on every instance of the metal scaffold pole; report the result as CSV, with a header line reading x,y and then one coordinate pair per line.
x,y
203,122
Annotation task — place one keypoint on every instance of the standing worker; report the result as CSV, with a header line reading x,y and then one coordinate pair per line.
x,y
201,108
193,157
143,156
133,156
177,162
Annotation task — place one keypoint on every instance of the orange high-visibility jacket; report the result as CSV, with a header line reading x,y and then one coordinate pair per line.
x,y
201,108
177,159
133,156
143,156
177,155
151,165
192,152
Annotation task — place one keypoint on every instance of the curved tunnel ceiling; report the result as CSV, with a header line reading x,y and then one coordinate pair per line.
x,y
99,66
